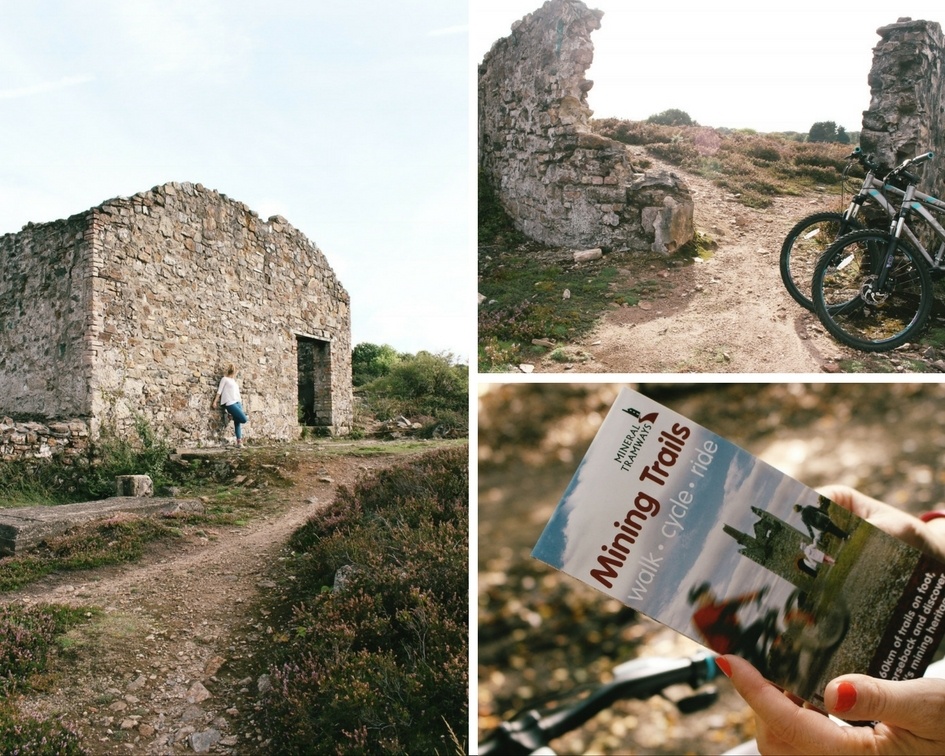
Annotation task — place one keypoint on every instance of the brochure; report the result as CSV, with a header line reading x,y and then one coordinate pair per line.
x,y
698,534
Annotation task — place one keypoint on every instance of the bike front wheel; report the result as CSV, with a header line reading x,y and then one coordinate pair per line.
x,y
849,302
804,245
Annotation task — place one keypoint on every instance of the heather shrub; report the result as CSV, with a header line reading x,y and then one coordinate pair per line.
x,y
27,636
379,664
34,737
755,167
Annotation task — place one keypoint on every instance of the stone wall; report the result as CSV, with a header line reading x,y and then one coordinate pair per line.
x,y
45,311
907,105
560,183
41,441
172,285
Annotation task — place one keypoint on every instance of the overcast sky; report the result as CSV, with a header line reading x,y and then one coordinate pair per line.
x,y
770,67
348,118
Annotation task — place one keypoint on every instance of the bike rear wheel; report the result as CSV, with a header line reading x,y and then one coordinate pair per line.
x,y
850,307
804,245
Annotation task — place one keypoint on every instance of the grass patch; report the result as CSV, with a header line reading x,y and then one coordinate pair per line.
x,y
385,448
380,664
528,299
113,541
700,246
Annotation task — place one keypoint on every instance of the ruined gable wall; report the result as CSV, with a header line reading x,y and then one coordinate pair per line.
x,y
187,281
45,300
560,183
907,105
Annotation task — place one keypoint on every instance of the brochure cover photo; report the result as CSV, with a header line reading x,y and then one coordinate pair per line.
x,y
693,531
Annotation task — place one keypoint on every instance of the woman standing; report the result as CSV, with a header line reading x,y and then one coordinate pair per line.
x,y
228,395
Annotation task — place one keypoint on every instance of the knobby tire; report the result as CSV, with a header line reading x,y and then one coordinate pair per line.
x,y
841,289
803,247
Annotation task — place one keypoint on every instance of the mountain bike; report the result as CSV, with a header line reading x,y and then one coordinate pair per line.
x,y
531,731
872,289
806,242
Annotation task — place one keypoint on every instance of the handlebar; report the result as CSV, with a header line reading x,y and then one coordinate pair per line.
x,y
867,161
640,679
900,170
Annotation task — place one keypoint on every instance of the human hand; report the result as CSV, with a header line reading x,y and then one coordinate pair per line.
x,y
910,714
902,525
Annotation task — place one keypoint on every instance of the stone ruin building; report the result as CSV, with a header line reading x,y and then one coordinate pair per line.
x,y
559,182
562,184
132,310
906,115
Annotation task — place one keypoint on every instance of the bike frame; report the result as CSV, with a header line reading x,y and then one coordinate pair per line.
x,y
920,207
899,226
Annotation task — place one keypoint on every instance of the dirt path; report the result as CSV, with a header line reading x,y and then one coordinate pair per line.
x,y
727,314
154,674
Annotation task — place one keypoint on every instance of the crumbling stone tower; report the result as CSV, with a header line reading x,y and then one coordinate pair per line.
x,y
560,183
132,310
907,105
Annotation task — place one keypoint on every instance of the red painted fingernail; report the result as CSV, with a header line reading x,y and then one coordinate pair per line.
x,y
722,663
846,697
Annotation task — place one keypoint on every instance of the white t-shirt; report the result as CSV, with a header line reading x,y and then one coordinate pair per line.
x,y
229,391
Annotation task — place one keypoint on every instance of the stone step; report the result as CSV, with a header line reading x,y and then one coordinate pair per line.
x,y
25,528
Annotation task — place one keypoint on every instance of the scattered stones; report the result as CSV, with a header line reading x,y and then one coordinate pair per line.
x,y
586,255
137,684
197,693
213,666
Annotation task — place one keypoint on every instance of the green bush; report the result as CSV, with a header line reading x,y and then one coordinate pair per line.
x,y
672,117
422,385
381,664
370,361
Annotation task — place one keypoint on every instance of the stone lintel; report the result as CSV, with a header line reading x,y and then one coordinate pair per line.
x,y
27,527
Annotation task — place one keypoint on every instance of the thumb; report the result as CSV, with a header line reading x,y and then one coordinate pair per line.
x,y
913,705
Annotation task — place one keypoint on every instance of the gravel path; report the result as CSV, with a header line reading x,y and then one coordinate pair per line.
x,y
155,672
728,314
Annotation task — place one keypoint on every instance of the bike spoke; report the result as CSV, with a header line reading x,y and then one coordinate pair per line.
x,y
856,309
803,247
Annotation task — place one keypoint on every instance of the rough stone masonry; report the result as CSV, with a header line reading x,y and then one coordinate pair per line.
x,y
560,183
906,115
131,311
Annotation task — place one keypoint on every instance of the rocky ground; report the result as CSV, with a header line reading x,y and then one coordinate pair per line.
x,y
167,666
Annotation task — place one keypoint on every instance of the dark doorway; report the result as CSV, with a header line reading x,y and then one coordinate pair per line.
x,y
314,363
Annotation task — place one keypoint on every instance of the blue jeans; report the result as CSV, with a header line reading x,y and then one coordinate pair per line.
x,y
239,417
